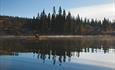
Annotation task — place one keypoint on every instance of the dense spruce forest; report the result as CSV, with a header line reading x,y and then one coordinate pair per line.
x,y
56,23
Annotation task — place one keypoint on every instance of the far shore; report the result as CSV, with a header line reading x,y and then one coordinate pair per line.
x,y
61,37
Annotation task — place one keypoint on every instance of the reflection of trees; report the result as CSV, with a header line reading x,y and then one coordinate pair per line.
x,y
8,47
51,49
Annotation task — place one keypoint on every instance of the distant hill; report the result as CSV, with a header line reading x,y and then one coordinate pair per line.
x,y
61,23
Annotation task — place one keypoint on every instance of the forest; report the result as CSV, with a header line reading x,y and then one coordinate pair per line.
x,y
56,23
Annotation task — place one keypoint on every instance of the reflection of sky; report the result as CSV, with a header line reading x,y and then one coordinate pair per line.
x,y
85,8
98,59
86,61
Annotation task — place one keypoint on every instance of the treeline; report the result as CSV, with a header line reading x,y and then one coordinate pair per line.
x,y
57,23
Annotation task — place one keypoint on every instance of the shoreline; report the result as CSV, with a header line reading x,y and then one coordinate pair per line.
x,y
61,37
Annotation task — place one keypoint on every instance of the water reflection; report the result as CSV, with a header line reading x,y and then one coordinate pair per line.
x,y
55,50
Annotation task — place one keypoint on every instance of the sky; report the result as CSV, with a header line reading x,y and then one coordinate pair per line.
x,y
97,9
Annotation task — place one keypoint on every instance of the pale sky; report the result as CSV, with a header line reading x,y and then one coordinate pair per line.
x,y
97,9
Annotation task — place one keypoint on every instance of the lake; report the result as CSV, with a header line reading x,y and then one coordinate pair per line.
x,y
25,54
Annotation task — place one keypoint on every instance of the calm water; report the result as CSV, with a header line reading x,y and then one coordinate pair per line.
x,y
20,54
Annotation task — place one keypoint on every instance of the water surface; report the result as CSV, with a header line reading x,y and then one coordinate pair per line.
x,y
22,54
